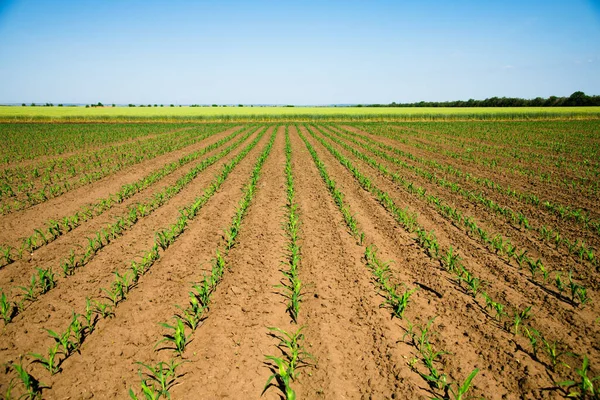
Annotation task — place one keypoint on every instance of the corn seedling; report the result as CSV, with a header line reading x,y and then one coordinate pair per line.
x,y
521,258
582,295
553,351
90,316
533,336
462,390
399,302
64,341
585,386
559,283
46,279
33,387
77,330
178,338
435,378
451,260
69,265
519,317
51,363
7,308
158,380
29,292
294,356
103,309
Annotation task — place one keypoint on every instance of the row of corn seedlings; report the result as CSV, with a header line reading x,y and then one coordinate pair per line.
x,y
17,180
290,344
28,141
131,155
543,175
156,380
56,228
44,279
564,212
496,242
123,283
449,258
577,248
396,297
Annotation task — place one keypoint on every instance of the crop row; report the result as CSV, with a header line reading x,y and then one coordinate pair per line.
x,y
551,236
499,154
474,285
29,141
44,279
497,242
543,174
561,211
56,228
293,354
573,213
158,379
23,193
122,284
395,298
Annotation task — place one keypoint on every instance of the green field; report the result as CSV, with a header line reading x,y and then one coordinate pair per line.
x,y
123,114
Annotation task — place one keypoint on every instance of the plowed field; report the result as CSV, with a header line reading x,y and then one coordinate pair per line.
x,y
347,260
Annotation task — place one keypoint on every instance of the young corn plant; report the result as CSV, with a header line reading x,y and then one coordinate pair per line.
x,y
46,279
33,387
519,317
534,337
554,351
90,316
103,309
584,386
451,260
7,308
462,390
294,356
198,304
29,292
69,265
177,338
51,363
64,340
434,377
399,302
157,380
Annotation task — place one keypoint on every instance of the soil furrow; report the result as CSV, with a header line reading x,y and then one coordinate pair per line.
x,y
56,310
22,223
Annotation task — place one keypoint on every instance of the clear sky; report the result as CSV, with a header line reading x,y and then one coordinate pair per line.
x,y
300,52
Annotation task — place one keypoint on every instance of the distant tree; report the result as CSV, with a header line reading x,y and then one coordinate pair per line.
x,y
171,105
60,105
577,99
87,106
99,105
23,105
214,105
155,105
32,104
240,105
113,105
131,105
149,105
162,105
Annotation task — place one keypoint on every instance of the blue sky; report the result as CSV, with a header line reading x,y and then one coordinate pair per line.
x,y
302,52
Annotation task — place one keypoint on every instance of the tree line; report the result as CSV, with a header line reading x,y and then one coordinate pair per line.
x,y
577,99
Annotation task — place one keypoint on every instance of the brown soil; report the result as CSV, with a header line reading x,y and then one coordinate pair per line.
x,y
359,350
21,223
